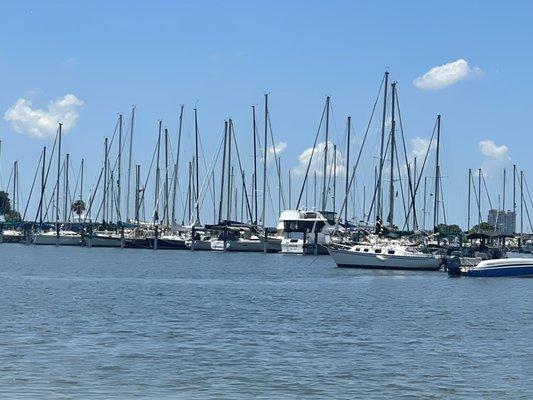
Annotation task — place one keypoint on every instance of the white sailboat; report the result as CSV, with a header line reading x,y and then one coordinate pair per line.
x,y
384,255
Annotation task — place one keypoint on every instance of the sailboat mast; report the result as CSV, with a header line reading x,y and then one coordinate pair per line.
x,y
175,183
228,205
514,196
223,176
265,145
504,188
347,180
166,214
379,207
65,189
437,179
119,169
157,175
43,178
197,171
479,197
104,200
392,154
129,165
469,196
325,165
58,177
255,165
334,175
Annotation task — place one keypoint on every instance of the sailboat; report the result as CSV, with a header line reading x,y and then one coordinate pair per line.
x,y
380,252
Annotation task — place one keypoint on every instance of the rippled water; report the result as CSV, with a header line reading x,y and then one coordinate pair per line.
x,y
112,323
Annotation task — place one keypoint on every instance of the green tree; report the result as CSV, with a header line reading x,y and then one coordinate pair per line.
x,y
449,229
12,216
5,203
78,207
483,227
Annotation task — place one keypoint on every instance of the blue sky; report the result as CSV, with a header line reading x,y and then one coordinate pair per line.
x,y
223,56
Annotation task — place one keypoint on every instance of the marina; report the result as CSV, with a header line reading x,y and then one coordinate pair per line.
x,y
266,200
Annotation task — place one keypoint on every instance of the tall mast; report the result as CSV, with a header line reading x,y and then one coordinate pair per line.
x,y
129,165
157,175
58,177
175,183
43,178
15,208
437,179
104,200
255,166
119,170
379,207
81,184
223,177
230,132
65,190
479,197
346,182
137,192
166,179
334,175
514,196
314,190
197,171
469,196
392,154
290,189
324,170
521,204
265,172
265,145
504,188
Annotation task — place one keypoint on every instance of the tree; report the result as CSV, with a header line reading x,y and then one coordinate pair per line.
x,y
5,203
453,229
483,227
12,216
78,207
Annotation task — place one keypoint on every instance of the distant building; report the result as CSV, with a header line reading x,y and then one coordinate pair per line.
x,y
503,221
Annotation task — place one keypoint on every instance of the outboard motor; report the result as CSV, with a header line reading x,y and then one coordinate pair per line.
x,y
453,265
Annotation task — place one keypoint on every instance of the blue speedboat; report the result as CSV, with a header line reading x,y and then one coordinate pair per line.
x,y
505,267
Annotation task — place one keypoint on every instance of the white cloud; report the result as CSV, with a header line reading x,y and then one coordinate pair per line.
x,y
420,147
317,164
39,123
276,150
490,149
445,75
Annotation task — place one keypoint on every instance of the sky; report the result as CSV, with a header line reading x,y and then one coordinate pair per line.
x,y
86,62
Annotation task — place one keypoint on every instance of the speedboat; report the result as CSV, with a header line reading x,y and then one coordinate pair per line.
x,y
505,267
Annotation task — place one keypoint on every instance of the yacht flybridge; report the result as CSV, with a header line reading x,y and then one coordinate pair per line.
x,y
306,232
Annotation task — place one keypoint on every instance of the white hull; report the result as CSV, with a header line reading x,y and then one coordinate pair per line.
x,y
53,240
354,259
256,246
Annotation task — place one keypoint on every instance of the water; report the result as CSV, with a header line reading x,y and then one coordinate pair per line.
x,y
111,323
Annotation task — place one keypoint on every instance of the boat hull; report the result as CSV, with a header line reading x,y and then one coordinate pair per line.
x,y
168,244
103,241
292,246
250,246
351,259
53,240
